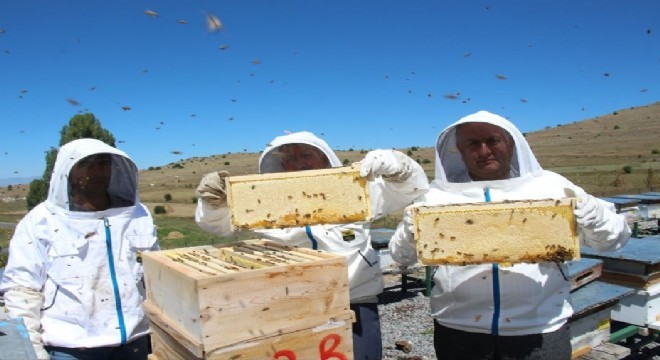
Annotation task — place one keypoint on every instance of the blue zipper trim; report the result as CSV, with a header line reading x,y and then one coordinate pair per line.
x,y
315,244
494,328
113,276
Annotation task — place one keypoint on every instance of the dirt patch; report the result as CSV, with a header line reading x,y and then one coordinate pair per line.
x,y
173,235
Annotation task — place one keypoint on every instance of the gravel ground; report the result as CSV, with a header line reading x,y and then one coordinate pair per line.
x,y
405,320
407,327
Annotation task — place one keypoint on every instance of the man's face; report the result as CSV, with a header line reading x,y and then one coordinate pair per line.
x,y
486,150
303,157
91,175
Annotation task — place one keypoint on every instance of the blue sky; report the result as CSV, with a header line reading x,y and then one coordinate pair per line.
x,y
361,74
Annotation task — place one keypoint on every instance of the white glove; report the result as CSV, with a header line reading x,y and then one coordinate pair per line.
x,y
212,189
390,164
588,211
26,304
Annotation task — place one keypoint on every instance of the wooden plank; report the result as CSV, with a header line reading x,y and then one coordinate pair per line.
x,y
178,334
630,280
278,200
506,232
166,347
577,354
331,339
606,351
584,271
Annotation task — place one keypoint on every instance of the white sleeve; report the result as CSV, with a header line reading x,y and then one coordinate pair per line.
x,y
216,220
23,280
26,303
389,196
27,258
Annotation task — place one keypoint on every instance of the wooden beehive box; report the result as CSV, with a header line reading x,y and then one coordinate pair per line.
x,y
210,298
333,337
329,196
505,232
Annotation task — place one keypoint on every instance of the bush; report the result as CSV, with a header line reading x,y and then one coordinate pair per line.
x,y
167,197
226,163
409,153
194,199
345,162
160,209
655,151
177,166
616,127
627,169
37,193
426,161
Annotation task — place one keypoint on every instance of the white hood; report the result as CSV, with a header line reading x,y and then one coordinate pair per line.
x,y
122,187
270,162
448,161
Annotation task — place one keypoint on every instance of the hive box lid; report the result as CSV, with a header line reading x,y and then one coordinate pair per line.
x,y
290,199
503,232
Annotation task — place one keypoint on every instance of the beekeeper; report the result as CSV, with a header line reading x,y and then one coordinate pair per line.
x,y
395,180
74,272
492,311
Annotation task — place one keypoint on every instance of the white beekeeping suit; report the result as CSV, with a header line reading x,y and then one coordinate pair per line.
x,y
507,300
76,277
351,240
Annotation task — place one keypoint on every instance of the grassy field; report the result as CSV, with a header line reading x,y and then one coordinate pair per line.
x,y
175,232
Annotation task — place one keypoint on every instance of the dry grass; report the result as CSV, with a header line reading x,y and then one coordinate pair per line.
x,y
592,153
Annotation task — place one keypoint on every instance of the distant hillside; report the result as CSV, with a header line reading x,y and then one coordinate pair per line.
x,y
15,180
596,153
612,154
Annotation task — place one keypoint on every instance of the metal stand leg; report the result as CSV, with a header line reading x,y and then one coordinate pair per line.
x,y
428,280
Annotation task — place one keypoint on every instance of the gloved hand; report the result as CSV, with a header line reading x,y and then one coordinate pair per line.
x,y
212,189
588,211
26,304
390,164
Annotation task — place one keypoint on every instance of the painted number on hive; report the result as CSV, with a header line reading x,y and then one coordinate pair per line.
x,y
327,350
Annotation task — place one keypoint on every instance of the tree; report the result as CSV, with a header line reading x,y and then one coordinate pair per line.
x,y
37,193
80,126
85,126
